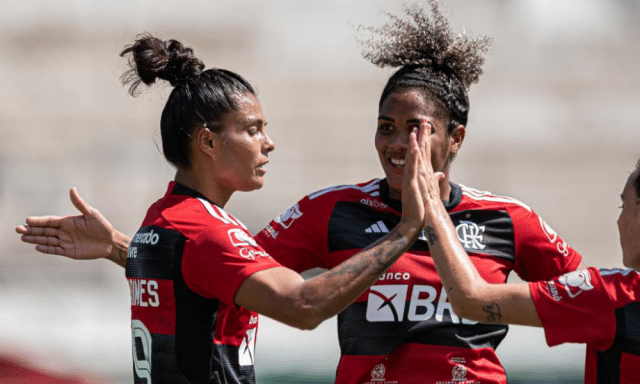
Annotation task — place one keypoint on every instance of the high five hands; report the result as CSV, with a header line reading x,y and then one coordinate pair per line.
x,y
421,189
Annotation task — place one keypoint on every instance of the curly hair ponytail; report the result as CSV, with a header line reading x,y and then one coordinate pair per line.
x,y
430,57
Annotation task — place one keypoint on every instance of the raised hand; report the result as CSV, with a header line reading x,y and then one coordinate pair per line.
x,y
82,237
420,189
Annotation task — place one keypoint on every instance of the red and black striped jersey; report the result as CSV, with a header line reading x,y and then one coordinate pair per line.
x,y
184,266
402,330
600,307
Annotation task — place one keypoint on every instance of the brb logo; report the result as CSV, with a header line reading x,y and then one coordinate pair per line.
x,y
470,234
392,303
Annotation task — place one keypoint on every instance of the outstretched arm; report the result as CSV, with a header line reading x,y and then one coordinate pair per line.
x,y
470,295
82,237
283,295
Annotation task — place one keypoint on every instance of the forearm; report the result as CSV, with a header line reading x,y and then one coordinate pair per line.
x,y
470,295
459,277
283,295
331,292
119,248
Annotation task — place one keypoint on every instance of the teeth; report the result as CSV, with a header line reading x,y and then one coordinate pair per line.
x,y
398,162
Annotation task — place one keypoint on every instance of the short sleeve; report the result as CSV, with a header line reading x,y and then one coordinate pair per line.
x,y
540,253
297,238
575,308
219,260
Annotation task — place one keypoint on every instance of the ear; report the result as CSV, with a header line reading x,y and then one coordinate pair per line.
x,y
206,142
456,138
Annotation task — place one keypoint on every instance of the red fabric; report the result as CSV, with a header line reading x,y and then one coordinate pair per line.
x,y
155,307
581,307
298,239
17,370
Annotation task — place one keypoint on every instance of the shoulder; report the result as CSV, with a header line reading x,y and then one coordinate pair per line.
x,y
369,188
328,197
489,200
623,285
198,218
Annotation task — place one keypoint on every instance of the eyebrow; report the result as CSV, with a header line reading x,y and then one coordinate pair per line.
x,y
410,121
255,120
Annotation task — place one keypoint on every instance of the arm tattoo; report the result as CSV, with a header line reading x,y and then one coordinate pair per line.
x,y
493,313
431,235
380,259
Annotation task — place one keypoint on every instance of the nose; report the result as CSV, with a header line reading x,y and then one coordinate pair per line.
x,y
269,145
400,140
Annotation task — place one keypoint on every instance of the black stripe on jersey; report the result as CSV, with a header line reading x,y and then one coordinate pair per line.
x,y
152,253
486,232
481,231
163,361
225,356
358,336
627,340
195,329
348,224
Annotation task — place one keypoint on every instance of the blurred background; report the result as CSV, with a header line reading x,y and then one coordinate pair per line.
x,y
553,123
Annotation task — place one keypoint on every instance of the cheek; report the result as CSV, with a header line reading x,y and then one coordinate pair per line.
x,y
379,144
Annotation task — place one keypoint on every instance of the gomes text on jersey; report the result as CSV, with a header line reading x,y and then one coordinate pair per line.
x,y
185,239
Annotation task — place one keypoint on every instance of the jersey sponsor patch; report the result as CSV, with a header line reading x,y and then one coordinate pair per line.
x,y
386,302
576,282
286,218
561,245
240,238
247,347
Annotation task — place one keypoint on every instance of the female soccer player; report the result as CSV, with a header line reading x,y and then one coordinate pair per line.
x,y
599,307
198,279
403,329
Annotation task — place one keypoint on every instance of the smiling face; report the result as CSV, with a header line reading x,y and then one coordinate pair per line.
x,y
629,224
399,114
242,147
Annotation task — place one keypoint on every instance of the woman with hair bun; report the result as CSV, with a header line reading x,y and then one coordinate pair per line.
x,y
403,329
198,279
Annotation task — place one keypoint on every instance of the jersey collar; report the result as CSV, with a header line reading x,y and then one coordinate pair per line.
x,y
455,196
182,190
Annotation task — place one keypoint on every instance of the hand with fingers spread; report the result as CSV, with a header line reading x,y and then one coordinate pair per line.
x,y
82,237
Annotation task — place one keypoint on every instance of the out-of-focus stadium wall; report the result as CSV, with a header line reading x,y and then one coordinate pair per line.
x,y
553,122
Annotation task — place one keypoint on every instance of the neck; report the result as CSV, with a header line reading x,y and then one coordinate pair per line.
x,y
445,190
191,178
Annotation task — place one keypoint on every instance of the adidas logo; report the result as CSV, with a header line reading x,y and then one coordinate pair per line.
x,y
378,227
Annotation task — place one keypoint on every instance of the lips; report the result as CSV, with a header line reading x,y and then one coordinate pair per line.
x,y
261,168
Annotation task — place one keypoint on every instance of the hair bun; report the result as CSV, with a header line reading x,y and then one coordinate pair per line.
x,y
151,58
182,65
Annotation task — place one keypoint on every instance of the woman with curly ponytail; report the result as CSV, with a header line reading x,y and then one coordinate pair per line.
x,y
404,329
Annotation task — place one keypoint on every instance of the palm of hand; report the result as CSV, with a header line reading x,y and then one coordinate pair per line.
x,y
85,238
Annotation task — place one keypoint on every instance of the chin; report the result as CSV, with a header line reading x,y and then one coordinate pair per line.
x,y
631,261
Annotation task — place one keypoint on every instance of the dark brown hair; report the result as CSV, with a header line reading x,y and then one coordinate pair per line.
x,y
199,98
430,57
